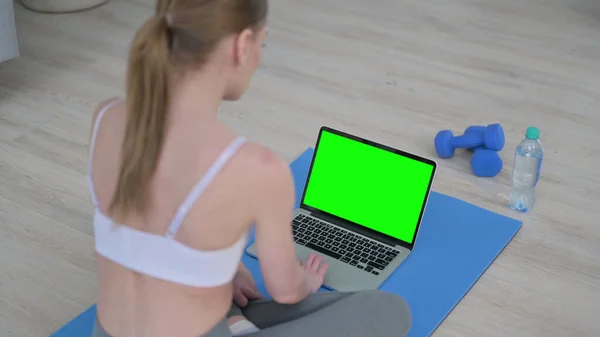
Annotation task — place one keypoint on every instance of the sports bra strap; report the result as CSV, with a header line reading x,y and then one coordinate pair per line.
x,y
203,183
93,146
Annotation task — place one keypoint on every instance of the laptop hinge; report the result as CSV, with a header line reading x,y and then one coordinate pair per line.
x,y
355,228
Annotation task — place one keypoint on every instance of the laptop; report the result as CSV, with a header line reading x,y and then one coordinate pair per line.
x,y
361,209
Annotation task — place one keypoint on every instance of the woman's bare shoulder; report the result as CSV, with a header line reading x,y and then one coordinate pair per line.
x,y
101,106
97,111
267,168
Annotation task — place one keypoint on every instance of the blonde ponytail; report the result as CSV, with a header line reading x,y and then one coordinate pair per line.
x,y
159,49
163,6
147,103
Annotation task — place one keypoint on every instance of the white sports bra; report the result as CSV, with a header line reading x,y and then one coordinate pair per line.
x,y
161,256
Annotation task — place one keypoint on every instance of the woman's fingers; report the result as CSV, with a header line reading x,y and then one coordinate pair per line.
x,y
317,262
323,270
309,260
240,299
252,293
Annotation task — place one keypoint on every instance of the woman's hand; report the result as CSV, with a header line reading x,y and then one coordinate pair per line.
x,y
315,270
244,287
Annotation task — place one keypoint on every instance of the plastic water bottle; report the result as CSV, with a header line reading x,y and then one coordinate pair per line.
x,y
526,171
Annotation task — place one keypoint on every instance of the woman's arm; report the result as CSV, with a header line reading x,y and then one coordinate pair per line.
x,y
285,279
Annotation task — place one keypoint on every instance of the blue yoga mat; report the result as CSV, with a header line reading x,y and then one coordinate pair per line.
x,y
457,243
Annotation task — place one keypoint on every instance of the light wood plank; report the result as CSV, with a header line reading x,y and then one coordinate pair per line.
x,y
393,71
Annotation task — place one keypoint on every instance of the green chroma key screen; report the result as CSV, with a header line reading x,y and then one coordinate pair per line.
x,y
369,186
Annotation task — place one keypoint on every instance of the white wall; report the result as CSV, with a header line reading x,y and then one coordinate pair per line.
x,y
8,33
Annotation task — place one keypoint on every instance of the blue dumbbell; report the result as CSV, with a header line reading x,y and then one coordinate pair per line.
x,y
473,129
492,138
485,162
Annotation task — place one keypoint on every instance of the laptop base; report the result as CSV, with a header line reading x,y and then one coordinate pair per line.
x,y
343,276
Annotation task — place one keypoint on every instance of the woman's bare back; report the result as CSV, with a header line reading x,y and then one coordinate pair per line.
x,y
132,304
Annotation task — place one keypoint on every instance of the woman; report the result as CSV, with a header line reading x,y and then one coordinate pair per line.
x,y
175,192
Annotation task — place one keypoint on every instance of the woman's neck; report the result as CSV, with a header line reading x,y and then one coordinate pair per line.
x,y
197,96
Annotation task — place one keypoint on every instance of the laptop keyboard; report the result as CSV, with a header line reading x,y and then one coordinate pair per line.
x,y
357,251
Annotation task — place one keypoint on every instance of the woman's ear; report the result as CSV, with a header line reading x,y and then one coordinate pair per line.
x,y
242,45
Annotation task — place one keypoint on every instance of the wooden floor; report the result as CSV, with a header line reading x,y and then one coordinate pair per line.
x,y
394,71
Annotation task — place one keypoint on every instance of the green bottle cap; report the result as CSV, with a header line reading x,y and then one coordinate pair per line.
x,y
532,133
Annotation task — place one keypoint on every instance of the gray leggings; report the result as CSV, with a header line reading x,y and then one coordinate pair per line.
x,y
331,314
